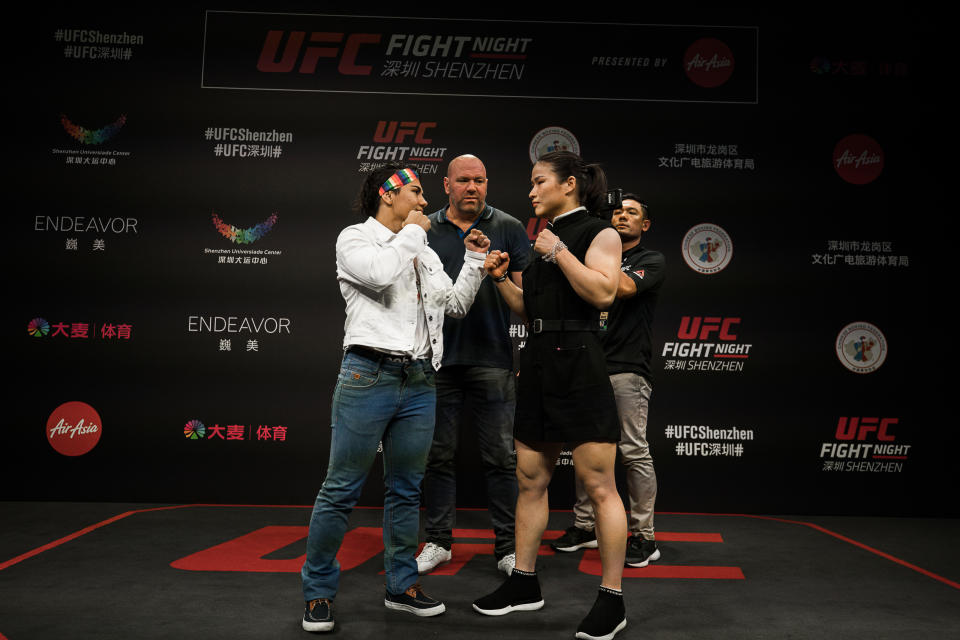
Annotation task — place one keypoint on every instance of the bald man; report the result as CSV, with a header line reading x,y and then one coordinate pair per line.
x,y
475,385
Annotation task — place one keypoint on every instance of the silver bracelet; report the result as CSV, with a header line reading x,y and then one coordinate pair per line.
x,y
501,278
557,248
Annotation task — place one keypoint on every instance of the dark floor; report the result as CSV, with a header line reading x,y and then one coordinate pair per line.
x,y
167,573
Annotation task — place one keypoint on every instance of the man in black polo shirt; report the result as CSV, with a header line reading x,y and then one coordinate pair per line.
x,y
628,348
476,378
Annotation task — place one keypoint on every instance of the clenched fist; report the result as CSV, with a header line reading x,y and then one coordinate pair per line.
x,y
496,263
546,240
417,217
476,241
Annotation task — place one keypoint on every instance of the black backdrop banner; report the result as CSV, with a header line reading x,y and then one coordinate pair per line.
x,y
175,318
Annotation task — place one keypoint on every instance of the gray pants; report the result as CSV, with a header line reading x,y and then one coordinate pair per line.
x,y
633,400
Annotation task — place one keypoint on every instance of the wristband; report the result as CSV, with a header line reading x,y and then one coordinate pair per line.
x,y
557,248
501,278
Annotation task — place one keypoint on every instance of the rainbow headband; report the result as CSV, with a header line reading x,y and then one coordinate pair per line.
x,y
397,180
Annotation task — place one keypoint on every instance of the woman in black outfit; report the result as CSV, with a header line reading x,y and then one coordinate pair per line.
x,y
564,394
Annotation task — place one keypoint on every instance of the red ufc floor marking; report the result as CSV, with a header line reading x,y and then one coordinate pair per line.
x,y
246,552
552,534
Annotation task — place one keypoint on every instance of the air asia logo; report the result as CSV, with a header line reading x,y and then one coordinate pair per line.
x,y
553,139
708,62
408,141
865,445
244,236
38,327
707,249
194,430
696,340
74,428
858,159
861,347
328,45
92,136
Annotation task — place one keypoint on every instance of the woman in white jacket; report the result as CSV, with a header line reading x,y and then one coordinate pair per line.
x,y
396,294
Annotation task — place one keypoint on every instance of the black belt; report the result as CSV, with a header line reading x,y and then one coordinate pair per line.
x,y
376,354
540,325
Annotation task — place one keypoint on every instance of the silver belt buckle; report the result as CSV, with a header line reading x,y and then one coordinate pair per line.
x,y
537,325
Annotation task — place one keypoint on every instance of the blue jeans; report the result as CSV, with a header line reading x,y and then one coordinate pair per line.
x,y
374,401
488,395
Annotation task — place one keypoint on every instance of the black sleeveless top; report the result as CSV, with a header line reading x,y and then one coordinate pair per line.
x,y
563,390
547,293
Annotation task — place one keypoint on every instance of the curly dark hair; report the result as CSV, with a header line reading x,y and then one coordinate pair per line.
x,y
367,201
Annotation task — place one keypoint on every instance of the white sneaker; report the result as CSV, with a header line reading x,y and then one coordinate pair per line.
x,y
507,563
431,556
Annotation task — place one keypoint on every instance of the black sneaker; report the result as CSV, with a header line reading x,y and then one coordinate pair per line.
x,y
520,592
606,619
414,601
575,538
641,552
318,615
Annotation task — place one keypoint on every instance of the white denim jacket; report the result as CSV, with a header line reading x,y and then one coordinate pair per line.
x,y
375,271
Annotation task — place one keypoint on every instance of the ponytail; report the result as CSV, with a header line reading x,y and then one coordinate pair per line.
x,y
591,180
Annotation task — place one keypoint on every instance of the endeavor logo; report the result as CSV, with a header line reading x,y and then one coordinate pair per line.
x,y
858,159
84,224
92,136
861,347
695,340
708,62
74,428
235,324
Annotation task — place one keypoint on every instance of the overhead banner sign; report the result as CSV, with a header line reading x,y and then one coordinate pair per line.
x,y
430,56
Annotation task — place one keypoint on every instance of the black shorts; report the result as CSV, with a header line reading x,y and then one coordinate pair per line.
x,y
563,390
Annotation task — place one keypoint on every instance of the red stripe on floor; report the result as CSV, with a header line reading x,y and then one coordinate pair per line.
x,y
688,536
590,564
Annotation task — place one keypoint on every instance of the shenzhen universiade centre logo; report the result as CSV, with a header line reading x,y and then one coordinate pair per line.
x,y
244,236
92,136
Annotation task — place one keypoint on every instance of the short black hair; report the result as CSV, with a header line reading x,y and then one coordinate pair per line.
x,y
644,207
